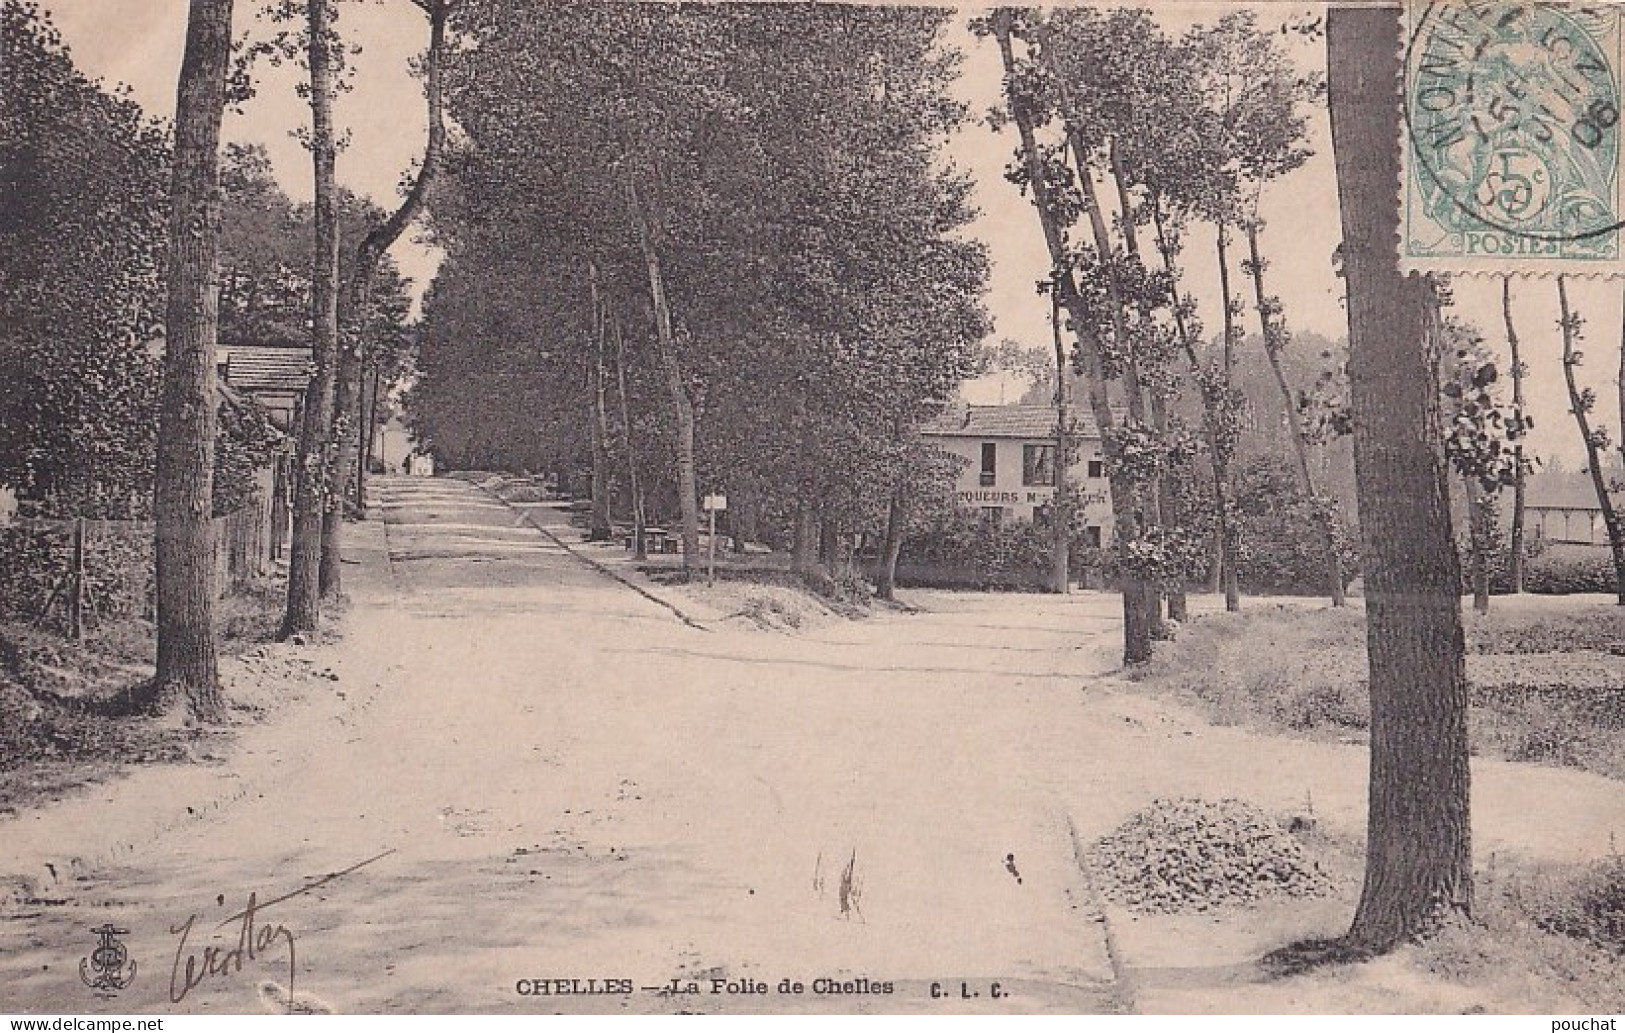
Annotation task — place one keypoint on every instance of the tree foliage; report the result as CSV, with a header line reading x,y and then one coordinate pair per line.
x,y
783,168
83,197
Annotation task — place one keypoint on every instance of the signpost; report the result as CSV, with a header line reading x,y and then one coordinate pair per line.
x,y
712,504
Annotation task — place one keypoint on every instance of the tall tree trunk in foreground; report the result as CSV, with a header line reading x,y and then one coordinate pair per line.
x,y
688,499
184,483
1515,561
347,389
1418,871
315,439
1577,405
1125,496
1274,334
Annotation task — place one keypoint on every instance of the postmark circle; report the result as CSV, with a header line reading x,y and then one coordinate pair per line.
x,y
1512,113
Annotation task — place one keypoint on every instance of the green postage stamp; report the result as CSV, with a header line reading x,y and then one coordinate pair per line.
x,y
1511,137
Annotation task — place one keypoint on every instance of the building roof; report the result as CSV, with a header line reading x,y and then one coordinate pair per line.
x,y
1006,421
1561,493
254,369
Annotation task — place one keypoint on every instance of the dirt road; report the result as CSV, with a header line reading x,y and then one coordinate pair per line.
x,y
544,776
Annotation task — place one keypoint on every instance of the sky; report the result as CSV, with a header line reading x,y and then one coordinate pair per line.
x,y
385,118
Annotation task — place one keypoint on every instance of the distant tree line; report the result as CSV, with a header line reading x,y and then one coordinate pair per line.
x,y
712,249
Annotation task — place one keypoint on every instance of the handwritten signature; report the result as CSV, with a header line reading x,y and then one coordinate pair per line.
x,y
256,937
252,941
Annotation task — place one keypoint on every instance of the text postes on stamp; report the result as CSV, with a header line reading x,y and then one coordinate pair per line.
x,y
1511,116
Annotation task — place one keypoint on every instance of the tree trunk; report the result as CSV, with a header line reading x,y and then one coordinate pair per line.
x,y
369,444
1478,533
599,527
829,543
1061,543
1515,561
1228,350
1620,385
1136,627
1610,519
369,402
1160,513
1165,489
184,482
892,549
1274,335
804,546
683,407
640,550
345,431
1179,608
344,436
315,440
744,518
1227,369
1148,508
1419,870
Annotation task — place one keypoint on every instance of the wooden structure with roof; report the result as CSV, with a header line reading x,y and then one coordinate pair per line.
x,y
272,376
276,378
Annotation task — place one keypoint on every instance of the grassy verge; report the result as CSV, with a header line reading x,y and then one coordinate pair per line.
x,y
757,587
772,599
64,721
1547,677
1557,932
1547,681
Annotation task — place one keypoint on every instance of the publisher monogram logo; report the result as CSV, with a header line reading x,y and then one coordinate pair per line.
x,y
108,968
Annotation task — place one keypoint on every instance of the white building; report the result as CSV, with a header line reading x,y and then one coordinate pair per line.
x,y
1010,451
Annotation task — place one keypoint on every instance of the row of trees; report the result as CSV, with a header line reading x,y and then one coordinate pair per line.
x,y
714,248
1124,132
1115,119
1129,141
1183,137
341,309
110,213
339,330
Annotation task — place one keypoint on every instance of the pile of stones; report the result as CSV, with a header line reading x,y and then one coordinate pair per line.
x,y
1196,855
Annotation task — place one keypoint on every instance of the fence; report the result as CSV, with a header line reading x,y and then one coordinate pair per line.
x,y
242,541
69,572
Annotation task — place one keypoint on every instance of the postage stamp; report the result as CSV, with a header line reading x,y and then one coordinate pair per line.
x,y
1511,137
